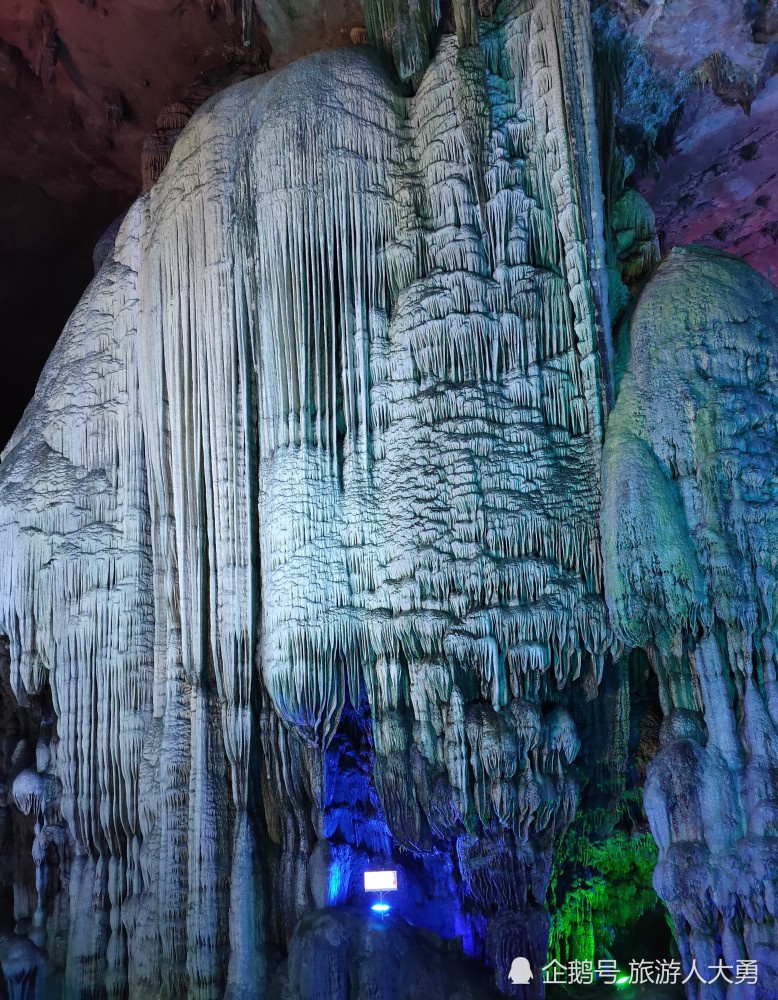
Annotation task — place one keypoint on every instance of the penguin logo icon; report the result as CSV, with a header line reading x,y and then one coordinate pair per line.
x,y
520,973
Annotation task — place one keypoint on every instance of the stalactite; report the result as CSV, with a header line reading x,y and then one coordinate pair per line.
x,y
405,30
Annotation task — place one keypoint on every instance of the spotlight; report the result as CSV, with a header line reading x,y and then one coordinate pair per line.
x,y
380,882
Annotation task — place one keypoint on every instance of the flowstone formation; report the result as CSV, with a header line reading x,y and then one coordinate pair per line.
x,y
300,564
311,482
690,533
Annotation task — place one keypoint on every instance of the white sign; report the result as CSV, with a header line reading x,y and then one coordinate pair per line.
x,y
380,881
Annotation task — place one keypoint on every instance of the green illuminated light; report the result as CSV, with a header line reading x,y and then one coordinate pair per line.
x,y
622,980
598,884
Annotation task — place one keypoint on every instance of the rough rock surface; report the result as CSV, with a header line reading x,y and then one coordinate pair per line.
x,y
343,955
717,183
720,185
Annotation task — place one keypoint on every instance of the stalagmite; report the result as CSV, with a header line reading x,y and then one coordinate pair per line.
x,y
689,532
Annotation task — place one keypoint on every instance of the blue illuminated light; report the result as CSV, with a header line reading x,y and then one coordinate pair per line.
x,y
380,907
335,882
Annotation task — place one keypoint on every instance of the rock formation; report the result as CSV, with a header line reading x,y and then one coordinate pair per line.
x,y
300,553
689,529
